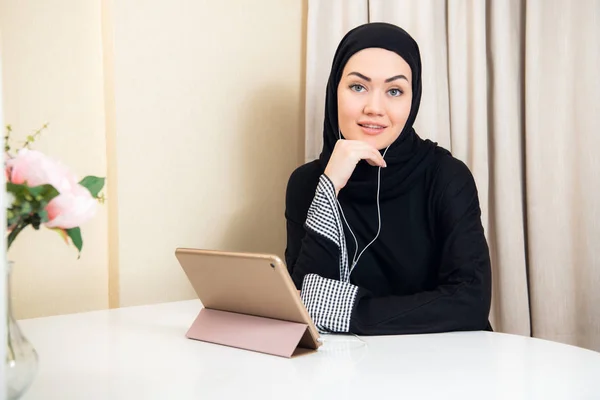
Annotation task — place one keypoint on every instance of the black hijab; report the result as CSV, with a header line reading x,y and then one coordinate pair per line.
x,y
409,156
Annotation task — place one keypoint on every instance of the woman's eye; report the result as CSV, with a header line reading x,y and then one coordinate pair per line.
x,y
357,88
395,92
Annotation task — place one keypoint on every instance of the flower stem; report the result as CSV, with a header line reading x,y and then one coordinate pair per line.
x,y
13,235
10,354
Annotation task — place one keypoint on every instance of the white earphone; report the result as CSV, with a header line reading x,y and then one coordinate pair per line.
x,y
355,259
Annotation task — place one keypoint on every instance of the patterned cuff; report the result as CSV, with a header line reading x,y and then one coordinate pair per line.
x,y
328,302
324,218
323,215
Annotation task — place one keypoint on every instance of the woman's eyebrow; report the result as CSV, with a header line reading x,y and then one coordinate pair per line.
x,y
366,78
393,78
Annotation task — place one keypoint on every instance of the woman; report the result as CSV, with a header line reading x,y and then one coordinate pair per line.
x,y
384,229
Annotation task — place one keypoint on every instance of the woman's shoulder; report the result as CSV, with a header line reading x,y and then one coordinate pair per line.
x,y
301,188
450,171
305,176
454,195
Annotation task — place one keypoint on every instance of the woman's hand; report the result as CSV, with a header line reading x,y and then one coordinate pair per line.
x,y
346,154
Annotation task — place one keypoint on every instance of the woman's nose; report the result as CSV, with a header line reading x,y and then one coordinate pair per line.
x,y
374,105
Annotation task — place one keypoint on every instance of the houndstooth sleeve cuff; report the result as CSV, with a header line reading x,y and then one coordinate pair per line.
x,y
324,218
328,302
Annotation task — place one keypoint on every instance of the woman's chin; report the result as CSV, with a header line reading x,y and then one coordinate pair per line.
x,y
380,142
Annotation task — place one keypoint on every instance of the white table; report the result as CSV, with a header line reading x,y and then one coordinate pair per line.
x,y
142,353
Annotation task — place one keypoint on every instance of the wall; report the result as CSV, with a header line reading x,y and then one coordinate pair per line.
x,y
193,109
209,122
52,53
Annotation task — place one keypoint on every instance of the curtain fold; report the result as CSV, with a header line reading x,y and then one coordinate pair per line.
x,y
506,190
562,131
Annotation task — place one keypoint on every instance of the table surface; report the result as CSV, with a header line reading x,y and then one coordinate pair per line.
x,y
142,353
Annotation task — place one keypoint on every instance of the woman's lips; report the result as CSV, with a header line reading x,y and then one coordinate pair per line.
x,y
371,128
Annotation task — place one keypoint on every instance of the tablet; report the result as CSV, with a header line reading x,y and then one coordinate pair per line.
x,y
249,284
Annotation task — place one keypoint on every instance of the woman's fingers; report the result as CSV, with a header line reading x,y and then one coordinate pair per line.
x,y
345,156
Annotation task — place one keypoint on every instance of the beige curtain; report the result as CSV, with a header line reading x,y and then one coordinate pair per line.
x,y
511,87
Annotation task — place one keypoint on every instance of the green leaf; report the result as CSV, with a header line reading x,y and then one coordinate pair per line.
x,y
75,235
11,218
29,204
42,192
15,189
26,209
43,216
47,192
93,183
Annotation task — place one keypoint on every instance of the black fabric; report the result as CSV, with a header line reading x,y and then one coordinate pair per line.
x,y
429,270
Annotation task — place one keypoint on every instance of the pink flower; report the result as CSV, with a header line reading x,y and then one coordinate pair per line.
x,y
72,207
34,168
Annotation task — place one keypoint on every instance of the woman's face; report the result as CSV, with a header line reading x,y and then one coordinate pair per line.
x,y
374,97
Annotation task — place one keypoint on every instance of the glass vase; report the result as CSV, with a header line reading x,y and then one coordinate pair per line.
x,y
21,357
